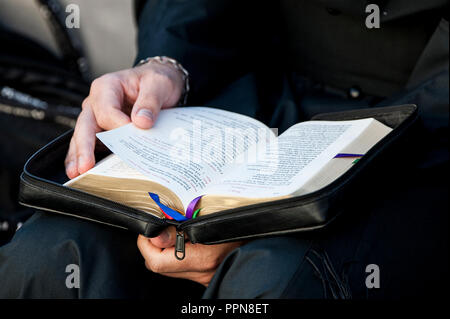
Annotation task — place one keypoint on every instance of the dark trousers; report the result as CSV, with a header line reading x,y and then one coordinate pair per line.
x,y
402,230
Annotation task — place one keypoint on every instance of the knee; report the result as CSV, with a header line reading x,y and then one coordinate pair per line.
x,y
265,268
32,268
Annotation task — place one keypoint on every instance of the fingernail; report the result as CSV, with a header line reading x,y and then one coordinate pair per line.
x,y
165,236
145,113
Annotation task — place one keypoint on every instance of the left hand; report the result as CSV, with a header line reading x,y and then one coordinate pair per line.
x,y
199,265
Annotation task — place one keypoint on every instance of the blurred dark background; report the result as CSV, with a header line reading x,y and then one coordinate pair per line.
x,y
45,72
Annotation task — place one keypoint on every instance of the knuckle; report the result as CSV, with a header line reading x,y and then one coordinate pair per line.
x,y
154,266
211,264
85,104
162,78
102,81
96,84
68,160
102,119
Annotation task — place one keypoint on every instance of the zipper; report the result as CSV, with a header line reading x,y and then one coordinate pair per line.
x,y
180,252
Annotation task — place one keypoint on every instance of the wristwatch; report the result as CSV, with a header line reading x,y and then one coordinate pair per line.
x,y
166,60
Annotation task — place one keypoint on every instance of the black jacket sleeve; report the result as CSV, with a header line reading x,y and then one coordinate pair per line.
x,y
216,41
428,88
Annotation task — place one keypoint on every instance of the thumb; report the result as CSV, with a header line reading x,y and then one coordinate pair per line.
x,y
166,239
147,107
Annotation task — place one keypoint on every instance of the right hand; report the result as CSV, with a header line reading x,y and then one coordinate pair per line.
x,y
115,99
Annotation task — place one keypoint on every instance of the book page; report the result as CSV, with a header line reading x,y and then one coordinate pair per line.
x,y
124,185
334,168
188,148
303,150
111,166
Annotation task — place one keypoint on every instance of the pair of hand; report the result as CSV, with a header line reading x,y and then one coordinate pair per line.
x,y
137,95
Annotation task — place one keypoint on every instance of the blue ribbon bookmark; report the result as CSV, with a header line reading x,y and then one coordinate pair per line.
x,y
167,211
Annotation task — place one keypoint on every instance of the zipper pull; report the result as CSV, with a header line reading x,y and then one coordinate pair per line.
x,y
179,246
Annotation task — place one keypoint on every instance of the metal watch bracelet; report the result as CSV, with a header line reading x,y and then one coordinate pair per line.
x,y
166,60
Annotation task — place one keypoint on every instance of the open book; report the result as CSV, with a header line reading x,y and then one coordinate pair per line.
x,y
226,159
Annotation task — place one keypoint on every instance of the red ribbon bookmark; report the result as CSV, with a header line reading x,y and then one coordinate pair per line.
x,y
170,213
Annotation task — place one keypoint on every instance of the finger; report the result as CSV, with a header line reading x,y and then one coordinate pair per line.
x,y
166,239
71,160
106,102
160,260
153,256
146,248
199,258
84,140
149,101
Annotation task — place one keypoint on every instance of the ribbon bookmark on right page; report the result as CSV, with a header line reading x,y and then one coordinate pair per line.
x,y
350,155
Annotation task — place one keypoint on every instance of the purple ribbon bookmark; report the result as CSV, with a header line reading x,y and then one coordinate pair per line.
x,y
342,155
173,214
191,207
